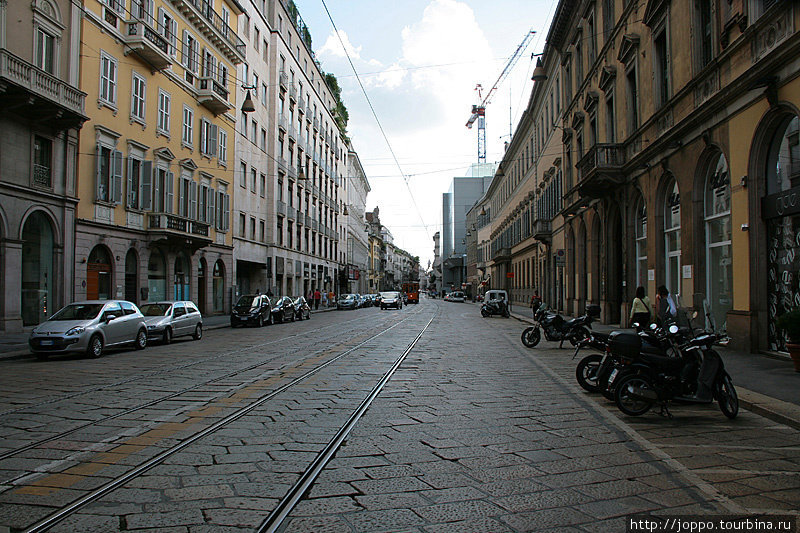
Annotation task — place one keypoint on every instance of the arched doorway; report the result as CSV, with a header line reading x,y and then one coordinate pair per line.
x,y
182,277
782,219
131,276
156,277
202,266
99,274
218,286
672,237
614,260
719,263
37,269
640,244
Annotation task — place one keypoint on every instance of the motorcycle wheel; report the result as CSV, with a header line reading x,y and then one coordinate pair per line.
x,y
578,335
531,336
603,374
727,398
586,372
624,396
484,313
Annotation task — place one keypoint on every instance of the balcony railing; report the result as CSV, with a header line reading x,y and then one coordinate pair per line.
x,y
202,14
281,209
291,212
542,230
36,81
599,169
284,80
292,93
42,176
148,44
213,95
177,223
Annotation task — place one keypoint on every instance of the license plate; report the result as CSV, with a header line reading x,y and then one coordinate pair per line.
x,y
46,342
612,376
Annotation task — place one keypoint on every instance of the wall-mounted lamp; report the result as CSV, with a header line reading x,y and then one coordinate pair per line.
x,y
301,176
538,72
483,211
345,212
247,105
743,181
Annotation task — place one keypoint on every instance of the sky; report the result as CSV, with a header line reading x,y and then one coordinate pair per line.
x,y
419,62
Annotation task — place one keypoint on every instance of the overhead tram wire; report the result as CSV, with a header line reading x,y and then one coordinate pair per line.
x,y
377,120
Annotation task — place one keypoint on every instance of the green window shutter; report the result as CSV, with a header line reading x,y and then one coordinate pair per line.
x,y
117,177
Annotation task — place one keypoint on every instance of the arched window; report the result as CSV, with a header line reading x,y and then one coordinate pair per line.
x,y
640,232
182,275
218,286
99,274
719,266
672,237
131,276
37,269
156,277
783,228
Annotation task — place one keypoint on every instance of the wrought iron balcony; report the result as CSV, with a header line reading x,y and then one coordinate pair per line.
x,y
600,170
177,229
213,95
145,42
201,13
39,96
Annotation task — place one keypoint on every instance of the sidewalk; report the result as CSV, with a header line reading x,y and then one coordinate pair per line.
x,y
766,385
15,345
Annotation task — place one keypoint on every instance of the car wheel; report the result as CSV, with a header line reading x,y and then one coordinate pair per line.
x,y
198,332
167,336
293,317
270,319
141,339
95,348
280,320
260,321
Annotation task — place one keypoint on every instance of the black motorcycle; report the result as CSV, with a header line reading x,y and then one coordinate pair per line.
x,y
495,307
687,370
557,329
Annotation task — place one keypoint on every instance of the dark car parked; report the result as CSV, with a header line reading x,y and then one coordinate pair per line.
x,y
252,309
283,309
302,308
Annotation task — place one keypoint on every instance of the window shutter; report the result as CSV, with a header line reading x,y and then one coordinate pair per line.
x,y
147,186
203,137
98,172
193,201
182,198
185,49
212,214
130,182
214,134
170,187
226,213
117,176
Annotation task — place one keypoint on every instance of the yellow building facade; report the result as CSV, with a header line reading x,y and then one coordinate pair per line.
x,y
156,164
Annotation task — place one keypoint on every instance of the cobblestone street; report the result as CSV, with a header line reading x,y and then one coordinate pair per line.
x,y
473,432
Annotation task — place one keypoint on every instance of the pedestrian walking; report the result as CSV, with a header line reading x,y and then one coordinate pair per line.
x,y
331,298
536,301
642,311
317,298
665,305
324,299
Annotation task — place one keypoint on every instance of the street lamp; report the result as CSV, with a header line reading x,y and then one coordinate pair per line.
x,y
247,105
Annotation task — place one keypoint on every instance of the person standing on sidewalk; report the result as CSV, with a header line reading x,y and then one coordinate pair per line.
x,y
665,306
317,298
536,301
642,312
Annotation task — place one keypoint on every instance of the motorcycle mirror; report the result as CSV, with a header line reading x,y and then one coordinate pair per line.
x,y
653,327
673,329
694,315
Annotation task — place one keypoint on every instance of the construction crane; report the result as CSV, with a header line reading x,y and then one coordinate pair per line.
x,y
479,110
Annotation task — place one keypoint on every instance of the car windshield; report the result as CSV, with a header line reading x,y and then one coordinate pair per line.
x,y
247,301
348,297
389,295
155,309
78,312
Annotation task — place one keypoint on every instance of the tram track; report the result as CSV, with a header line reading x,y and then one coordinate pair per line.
x,y
61,514
171,396
162,370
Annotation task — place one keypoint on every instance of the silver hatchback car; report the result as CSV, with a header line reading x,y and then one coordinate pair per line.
x,y
170,319
90,327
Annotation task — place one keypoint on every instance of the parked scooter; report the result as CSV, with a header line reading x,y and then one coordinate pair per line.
x,y
557,329
687,370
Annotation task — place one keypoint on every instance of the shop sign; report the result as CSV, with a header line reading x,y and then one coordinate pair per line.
x,y
781,204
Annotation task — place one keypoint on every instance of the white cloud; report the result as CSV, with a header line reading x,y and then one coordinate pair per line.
x,y
333,47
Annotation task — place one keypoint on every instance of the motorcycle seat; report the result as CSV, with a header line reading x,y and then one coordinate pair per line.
x,y
571,322
661,361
